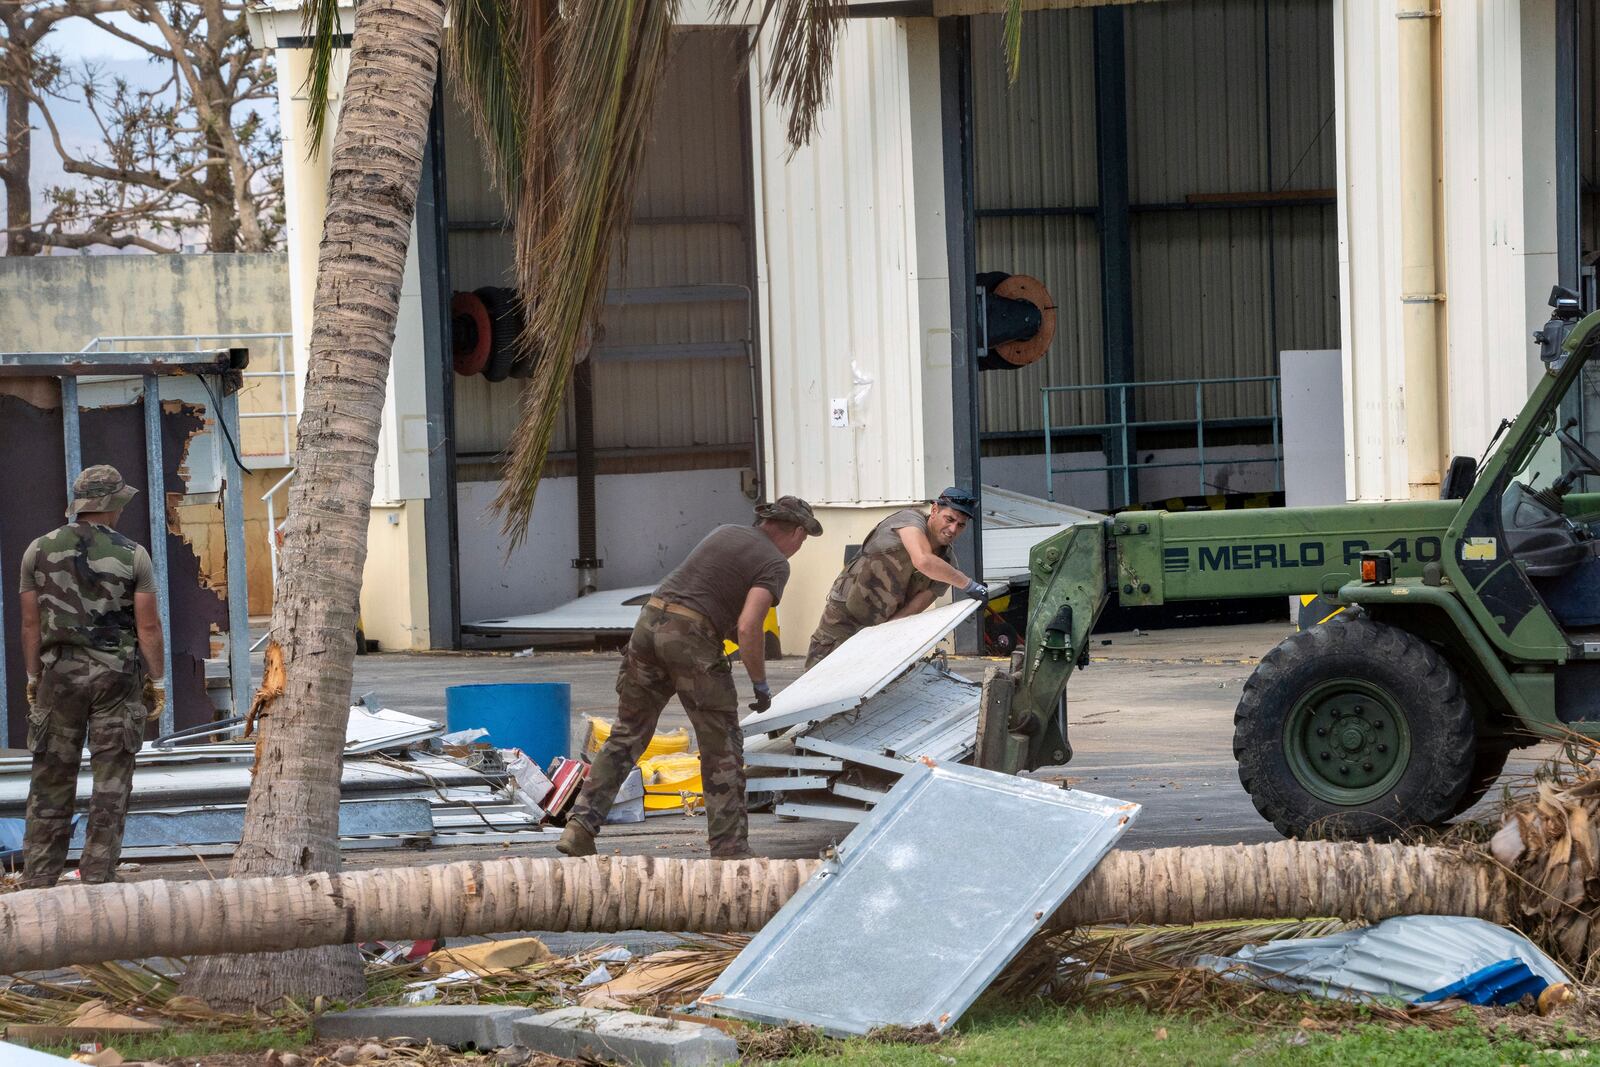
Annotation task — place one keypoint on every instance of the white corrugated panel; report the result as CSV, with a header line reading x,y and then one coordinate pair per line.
x,y
1498,235
1369,249
691,215
852,308
1499,212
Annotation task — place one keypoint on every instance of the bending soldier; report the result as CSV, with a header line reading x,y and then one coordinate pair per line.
x,y
726,586
88,610
905,564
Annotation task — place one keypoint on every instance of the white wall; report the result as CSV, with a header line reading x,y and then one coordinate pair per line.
x,y
853,277
1497,104
647,523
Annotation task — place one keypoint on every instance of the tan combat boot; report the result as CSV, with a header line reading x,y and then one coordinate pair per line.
x,y
576,840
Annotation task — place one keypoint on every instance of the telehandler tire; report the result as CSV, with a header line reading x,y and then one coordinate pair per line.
x,y
1354,730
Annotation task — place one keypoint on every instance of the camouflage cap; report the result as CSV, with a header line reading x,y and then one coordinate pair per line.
x,y
791,509
99,488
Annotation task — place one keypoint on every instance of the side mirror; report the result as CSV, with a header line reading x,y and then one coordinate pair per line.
x,y
1566,310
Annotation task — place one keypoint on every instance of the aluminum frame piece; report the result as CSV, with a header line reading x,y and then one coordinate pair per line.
x,y
859,669
934,892
224,825
606,611
929,712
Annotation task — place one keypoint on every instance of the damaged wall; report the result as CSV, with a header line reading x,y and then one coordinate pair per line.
x,y
33,483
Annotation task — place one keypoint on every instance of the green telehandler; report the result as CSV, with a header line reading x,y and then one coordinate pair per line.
x,y
1470,625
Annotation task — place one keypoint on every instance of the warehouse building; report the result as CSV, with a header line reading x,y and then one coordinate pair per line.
x,y
1200,185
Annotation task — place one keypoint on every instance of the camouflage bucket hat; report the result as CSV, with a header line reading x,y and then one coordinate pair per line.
x,y
99,488
791,509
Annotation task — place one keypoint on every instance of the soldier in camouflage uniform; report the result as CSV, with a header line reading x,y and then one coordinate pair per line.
x,y
88,610
724,589
904,565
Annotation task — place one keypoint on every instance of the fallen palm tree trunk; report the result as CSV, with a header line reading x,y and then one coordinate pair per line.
x,y
45,928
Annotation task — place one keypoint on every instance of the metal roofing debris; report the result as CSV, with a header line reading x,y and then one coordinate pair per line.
x,y
925,902
218,825
824,812
1004,508
929,712
607,611
1407,957
891,764
792,761
860,668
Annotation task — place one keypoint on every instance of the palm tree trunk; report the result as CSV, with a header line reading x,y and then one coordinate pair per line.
x,y
42,929
291,823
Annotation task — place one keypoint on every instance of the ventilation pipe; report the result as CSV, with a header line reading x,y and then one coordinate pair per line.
x,y
1425,375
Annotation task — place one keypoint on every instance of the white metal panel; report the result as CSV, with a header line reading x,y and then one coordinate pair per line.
x,y
607,611
1498,246
864,665
1498,235
838,264
1368,153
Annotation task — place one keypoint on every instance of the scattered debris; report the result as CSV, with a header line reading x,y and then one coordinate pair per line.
x,y
1417,958
881,699
487,958
836,955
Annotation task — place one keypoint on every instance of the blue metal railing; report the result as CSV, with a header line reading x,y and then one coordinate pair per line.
x,y
1123,430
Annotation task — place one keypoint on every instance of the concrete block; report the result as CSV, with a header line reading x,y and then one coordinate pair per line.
x,y
482,1026
622,1036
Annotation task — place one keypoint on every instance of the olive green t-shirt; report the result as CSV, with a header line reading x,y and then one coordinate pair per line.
x,y
721,571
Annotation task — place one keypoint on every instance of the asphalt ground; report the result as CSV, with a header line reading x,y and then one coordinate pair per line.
x,y
1150,718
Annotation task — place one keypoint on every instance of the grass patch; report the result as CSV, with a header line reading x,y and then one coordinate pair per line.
x,y
184,1043
1117,1035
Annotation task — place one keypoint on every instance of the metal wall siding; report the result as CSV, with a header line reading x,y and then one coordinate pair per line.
x,y
690,208
839,291
1208,283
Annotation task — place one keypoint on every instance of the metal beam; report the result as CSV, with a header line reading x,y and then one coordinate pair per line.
x,y
1115,230
71,435
66,365
1569,207
238,576
439,520
155,468
955,101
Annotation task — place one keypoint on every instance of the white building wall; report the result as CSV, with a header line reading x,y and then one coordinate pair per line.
x,y
853,277
1498,237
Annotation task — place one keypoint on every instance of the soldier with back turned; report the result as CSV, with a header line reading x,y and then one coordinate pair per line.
x,y
88,600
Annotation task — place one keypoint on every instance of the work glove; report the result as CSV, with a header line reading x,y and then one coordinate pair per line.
x,y
976,590
33,689
155,697
763,699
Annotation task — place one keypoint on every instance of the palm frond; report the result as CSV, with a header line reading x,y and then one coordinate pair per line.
x,y
1013,39
319,22
490,51
804,38
610,56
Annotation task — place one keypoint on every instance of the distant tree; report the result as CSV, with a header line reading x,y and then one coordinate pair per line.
x,y
189,161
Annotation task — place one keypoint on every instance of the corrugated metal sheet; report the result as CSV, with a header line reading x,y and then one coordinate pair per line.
x,y
1217,292
855,303
691,227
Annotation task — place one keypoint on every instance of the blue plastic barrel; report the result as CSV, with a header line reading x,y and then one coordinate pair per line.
x,y
533,716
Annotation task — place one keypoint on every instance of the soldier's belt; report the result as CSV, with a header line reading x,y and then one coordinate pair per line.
x,y
676,609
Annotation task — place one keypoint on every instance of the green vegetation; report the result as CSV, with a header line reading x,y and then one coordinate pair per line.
x,y
195,1043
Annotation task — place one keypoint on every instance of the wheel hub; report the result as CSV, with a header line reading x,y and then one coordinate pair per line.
x,y
1346,743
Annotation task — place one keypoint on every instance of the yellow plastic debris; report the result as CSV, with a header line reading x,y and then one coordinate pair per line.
x,y
487,959
662,744
667,780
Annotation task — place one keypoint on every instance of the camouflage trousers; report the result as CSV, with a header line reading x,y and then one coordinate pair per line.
x,y
835,628
669,654
80,699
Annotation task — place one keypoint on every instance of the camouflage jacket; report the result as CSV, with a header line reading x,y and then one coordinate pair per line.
x,y
86,575
881,579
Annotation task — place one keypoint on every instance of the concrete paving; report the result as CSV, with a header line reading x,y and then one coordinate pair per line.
x,y
1151,720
